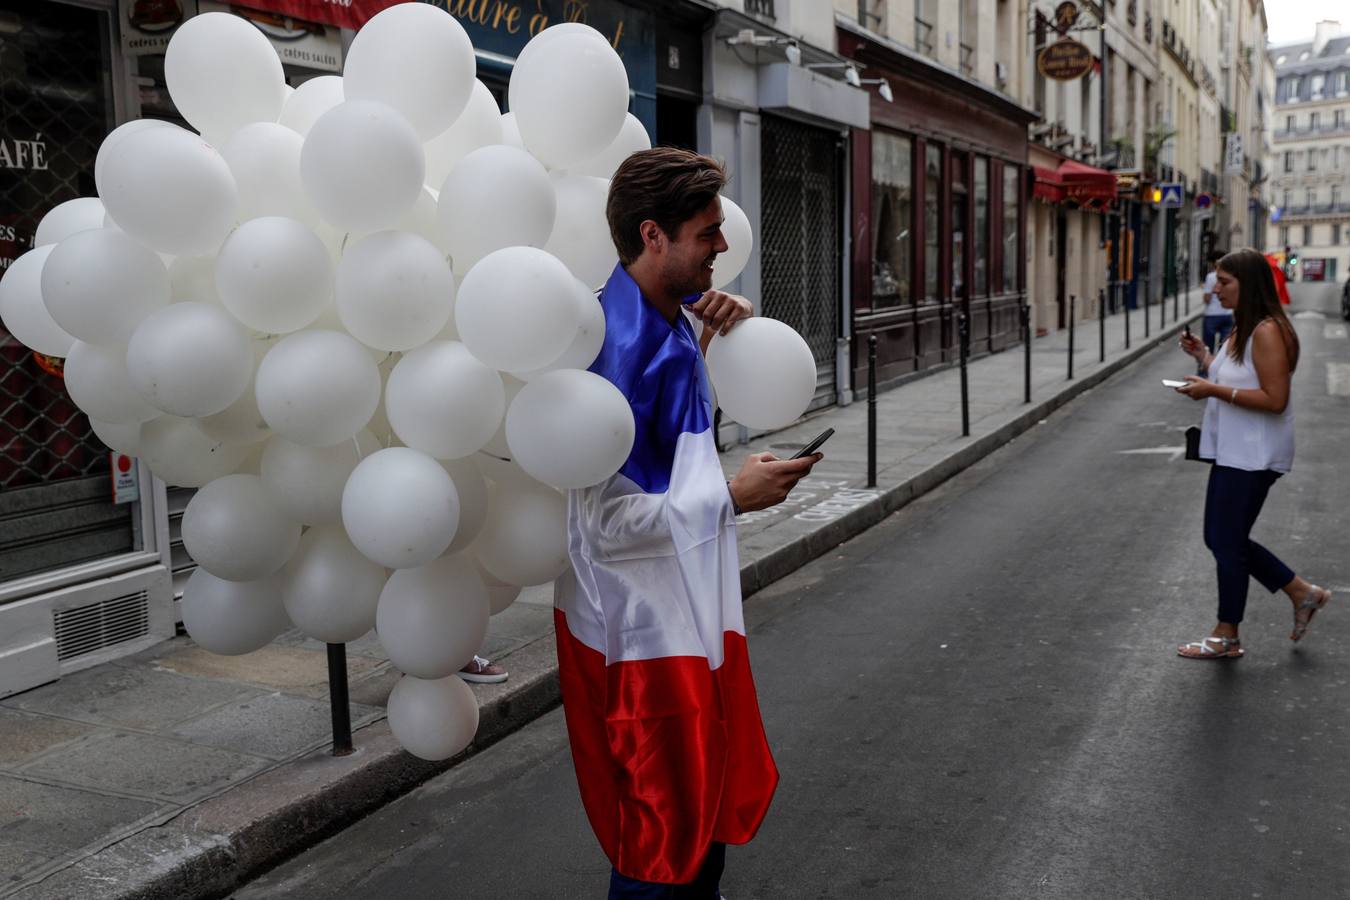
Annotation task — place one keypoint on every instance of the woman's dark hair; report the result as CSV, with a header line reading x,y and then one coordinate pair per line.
x,y
665,184
1258,300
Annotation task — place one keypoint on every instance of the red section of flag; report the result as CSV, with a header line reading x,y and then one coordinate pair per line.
x,y
342,13
670,755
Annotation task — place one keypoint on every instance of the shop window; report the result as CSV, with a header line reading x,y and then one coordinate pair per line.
x,y
932,193
980,246
1012,237
893,219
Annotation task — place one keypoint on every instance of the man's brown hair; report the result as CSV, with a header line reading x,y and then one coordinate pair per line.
x,y
665,184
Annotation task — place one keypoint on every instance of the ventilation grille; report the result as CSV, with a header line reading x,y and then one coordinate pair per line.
x,y
87,629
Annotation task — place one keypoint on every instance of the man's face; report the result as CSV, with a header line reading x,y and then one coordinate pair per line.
x,y
686,264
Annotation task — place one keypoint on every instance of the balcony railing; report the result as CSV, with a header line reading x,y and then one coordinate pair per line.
x,y
923,36
762,8
967,60
1315,209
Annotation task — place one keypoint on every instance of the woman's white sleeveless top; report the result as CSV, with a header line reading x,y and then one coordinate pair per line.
x,y
1244,438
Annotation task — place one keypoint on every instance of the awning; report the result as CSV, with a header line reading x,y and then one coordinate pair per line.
x,y
1087,185
344,13
1048,186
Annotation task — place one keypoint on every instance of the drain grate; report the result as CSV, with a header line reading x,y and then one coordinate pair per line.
x,y
87,629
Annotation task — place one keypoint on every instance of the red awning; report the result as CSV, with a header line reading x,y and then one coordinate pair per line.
x,y
342,13
1087,185
1048,185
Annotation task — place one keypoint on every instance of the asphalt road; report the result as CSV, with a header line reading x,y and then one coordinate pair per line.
x,y
979,698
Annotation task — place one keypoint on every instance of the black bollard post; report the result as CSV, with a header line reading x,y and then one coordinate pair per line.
x,y
872,411
963,331
1162,310
1025,312
1101,326
1072,313
1148,295
1125,295
338,700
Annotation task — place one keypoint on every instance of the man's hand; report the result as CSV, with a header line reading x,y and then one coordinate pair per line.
x,y
766,480
720,311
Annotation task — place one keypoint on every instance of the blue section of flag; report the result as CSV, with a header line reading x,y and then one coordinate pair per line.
x,y
659,368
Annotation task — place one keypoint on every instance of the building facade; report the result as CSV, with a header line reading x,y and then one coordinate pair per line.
x,y
1311,162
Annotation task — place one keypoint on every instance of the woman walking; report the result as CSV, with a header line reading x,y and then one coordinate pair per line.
x,y
1248,431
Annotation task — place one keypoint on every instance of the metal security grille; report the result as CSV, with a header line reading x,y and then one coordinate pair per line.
x,y
800,234
90,628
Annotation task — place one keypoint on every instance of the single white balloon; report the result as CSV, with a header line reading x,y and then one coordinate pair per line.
x,y
495,197
415,58
478,126
570,96
233,529
223,73
23,310
170,190
317,387
178,452
311,100
400,508
97,379
517,309
233,617
441,400
570,429
763,372
580,236
122,437
524,540
728,266
632,137
99,284
307,482
274,275
589,340
362,166
64,219
394,290
264,158
432,719
190,359
433,619
331,590
117,136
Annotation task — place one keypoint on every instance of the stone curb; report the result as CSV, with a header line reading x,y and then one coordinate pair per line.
x,y
215,847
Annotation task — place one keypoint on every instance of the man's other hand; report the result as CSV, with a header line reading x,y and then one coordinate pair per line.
x,y
719,311
765,480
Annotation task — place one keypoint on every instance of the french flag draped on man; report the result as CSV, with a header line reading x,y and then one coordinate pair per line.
x,y
661,709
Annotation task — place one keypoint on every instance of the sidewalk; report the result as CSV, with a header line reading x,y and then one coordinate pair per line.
x,y
176,773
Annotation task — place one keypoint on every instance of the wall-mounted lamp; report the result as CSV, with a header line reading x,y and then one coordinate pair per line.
x,y
749,37
850,70
884,90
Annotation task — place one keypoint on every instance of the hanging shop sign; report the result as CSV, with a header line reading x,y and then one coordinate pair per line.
x,y
299,42
1064,60
1127,182
147,25
1066,16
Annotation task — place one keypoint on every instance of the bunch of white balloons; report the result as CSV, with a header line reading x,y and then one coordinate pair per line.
x,y
357,316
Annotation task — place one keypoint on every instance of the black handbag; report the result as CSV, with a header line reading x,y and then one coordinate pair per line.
x,y
1193,445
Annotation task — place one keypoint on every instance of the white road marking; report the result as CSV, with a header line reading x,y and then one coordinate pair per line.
x,y
1333,331
1308,314
1174,452
1338,379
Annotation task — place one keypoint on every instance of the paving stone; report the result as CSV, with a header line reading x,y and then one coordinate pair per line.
x,y
23,735
136,698
42,822
274,725
276,666
145,765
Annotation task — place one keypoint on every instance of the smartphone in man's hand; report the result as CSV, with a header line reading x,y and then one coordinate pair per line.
x,y
814,445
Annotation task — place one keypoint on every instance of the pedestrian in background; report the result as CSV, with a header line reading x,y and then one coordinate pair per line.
x,y
1248,432
1218,321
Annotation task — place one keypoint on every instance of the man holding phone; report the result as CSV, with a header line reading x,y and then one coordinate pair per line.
x,y
669,748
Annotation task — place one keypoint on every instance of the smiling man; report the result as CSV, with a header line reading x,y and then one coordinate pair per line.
x,y
670,752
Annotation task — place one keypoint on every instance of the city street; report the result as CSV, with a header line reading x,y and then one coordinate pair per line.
x,y
980,697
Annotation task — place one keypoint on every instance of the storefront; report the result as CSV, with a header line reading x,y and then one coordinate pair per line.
x,y
938,213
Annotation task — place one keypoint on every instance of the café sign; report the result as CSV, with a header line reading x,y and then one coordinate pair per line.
x,y
1064,60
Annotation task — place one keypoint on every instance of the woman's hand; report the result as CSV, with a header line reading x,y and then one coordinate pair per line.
x,y
1194,347
1198,388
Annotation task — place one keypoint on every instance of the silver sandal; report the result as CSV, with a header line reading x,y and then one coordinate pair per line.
x,y
1310,606
1212,648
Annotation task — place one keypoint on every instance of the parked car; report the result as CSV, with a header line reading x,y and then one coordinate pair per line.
x,y
1345,301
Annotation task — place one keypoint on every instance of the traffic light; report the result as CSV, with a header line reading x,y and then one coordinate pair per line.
x,y
1291,256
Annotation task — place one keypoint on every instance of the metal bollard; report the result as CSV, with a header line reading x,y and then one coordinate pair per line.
x,y
963,332
1148,295
1072,312
338,699
1025,313
1162,311
1125,294
1101,326
872,411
